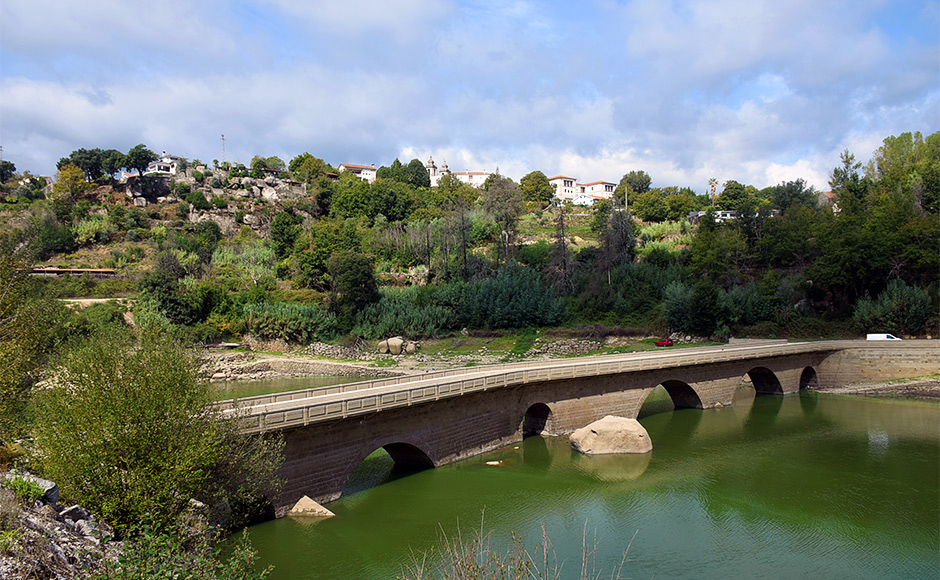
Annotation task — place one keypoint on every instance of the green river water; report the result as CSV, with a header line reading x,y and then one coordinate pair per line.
x,y
807,486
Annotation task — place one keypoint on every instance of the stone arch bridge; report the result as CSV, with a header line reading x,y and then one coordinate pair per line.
x,y
431,419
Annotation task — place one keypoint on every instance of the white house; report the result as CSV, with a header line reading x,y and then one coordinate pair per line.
x,y
587,200
602,188
473,178
364,172
568,189
164,164
565,187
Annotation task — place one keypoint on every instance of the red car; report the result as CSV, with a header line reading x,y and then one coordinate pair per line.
x,y
664,342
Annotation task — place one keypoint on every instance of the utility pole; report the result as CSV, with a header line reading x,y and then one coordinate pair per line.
x,y
223,147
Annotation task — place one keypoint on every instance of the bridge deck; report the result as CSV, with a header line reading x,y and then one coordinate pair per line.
x,y
298,408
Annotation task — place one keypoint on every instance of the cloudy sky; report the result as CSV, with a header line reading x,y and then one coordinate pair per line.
x,y
752,90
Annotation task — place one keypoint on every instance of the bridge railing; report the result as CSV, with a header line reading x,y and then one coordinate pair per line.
x,y
300,408
409,378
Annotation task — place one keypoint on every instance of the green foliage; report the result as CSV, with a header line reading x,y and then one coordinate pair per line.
x,y
677,304
173,553
515,298
197,200
139,157
899,309
95,229
535,187
744,305
704,310
298,323
399,312
27,334
284,231
354,284
129,432
25,489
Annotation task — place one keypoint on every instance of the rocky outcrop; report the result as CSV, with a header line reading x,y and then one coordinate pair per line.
x,y
612,435
396,346
53,541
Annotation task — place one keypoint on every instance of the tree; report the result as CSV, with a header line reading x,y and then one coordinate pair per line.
x,y
139,157
112,161
416,174
732,196
535,187
503,200
284,231
69,183
790,193
633,182
7,169
130,432
354,284
651,206
90,161
307,168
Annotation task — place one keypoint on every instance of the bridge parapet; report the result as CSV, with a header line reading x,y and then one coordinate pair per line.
x,y
300,408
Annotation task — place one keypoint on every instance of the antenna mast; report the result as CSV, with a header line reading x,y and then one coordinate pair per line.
x,y
223,147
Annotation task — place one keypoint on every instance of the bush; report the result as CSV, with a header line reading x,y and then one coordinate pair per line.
x,y
25,489
300,323
899,309
170,553
129,431
515,298
397,312
677,300
91,230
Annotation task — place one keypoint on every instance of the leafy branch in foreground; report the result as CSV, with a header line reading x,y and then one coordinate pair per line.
x,y
129,431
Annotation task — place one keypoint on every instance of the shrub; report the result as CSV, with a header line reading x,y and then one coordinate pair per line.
x,y
397,312
197,200
515,298
677,300
90,230
129,431
25,489
300,323
169,553
899,309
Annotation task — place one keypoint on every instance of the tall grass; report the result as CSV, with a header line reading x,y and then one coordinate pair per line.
x,y
476,558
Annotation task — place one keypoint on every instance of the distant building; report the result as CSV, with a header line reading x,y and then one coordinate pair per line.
x,y
164,164
568,188
587,200
565,187
602,188
364,172
473,178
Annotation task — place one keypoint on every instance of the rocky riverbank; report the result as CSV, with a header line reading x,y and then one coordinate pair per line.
x,y
923,388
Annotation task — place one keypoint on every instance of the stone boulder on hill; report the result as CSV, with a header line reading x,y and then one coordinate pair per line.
x,y
612,435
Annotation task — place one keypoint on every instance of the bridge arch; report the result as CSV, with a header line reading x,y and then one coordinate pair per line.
x,y
808,378
370,468
765,381
536,420
682,394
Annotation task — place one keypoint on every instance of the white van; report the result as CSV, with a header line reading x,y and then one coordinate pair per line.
x,y
882,337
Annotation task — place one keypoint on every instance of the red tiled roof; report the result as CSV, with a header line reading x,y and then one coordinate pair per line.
x,y
596,182
352,166
561,177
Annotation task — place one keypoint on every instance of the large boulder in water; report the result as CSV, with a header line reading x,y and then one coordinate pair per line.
x,y
612,435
